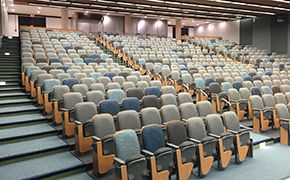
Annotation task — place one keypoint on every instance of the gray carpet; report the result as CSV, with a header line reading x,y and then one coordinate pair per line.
x,y
81,176
39,166
21,118
25,131
18,109
14,101
30,146
258,137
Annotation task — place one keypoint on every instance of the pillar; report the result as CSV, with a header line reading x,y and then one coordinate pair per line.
x,y
64,19
128,24
178,29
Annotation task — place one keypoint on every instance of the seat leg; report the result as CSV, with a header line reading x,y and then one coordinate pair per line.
x,y
32,89
163,175
82,144
205,162
214,105
225,156
184,170
57,117
275,119
39,96
47,104
241,150
101,163
27,85
284,135
256,124
68,128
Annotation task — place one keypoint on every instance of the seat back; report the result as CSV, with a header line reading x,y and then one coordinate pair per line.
x,y
266,90
226,86
59,90
131,103
231,121
126,144
81,88
153,138
116,94
188,110
168,90
204,108
280,98
233,94
215,124
109,106
95,96
269,100
150,101
85,111
152,91
245,93
135,92
170,113
256,102
128,119
184,97
150,115
256,91
196,128
167,99
282,111
176,132
70,82
70,99
215,88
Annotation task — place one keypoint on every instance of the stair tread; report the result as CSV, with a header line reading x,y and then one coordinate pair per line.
x,y
16,132
11,88
17,109
38,167
21,118
82,176
30,146
15,101
12,94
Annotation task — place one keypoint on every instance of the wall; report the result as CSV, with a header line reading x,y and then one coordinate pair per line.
x,y
279,34
149,26
262,32
190,31
228,30
246,31
170,31
4,19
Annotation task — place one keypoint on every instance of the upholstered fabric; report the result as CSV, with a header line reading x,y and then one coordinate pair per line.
x,y
116,94
87,81
168,90
85,111
70,99
131,103
135,92
269,100
282,111
150,101
280,98
237,85
103,125
170,113
184,97
153,138
70,82
256,91
152,91
215,88
204,108
48,84
59,90
245,93
215,124
188,110
126,144
129,119
95,96
226,86
81,88
109,106
150,115
104,80
167,99
43,77
176,132
196,128
97,86
266,90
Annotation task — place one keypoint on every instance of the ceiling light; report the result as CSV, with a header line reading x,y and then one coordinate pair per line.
x,y
145,17
37,12
12,10
39,8
12,5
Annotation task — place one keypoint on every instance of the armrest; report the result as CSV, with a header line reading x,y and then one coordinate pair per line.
x,y
64,110
203,93
284,120
195,140
172,146
119,161
95,138
245,127
226,101
171,80
215,136
78,123
148,153
233,132
256,109
185,86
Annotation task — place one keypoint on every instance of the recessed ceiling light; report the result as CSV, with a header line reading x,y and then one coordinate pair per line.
x,y
12,5
192,21
87,12
108,14
145,17
183,23
169,22
37,12
39,8
197,24
12,10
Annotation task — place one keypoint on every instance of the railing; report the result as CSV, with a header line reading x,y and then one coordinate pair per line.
x,y
1,37
46,28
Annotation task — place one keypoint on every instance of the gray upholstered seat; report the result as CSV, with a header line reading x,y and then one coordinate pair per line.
x,y
95,96
168,90
167,99
129,119
184,97
81,88
188,110
204,108
150,115
170,113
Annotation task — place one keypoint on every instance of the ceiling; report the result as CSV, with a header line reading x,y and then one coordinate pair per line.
x,y
173,9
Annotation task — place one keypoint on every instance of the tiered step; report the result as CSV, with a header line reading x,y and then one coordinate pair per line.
x,y
30,147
